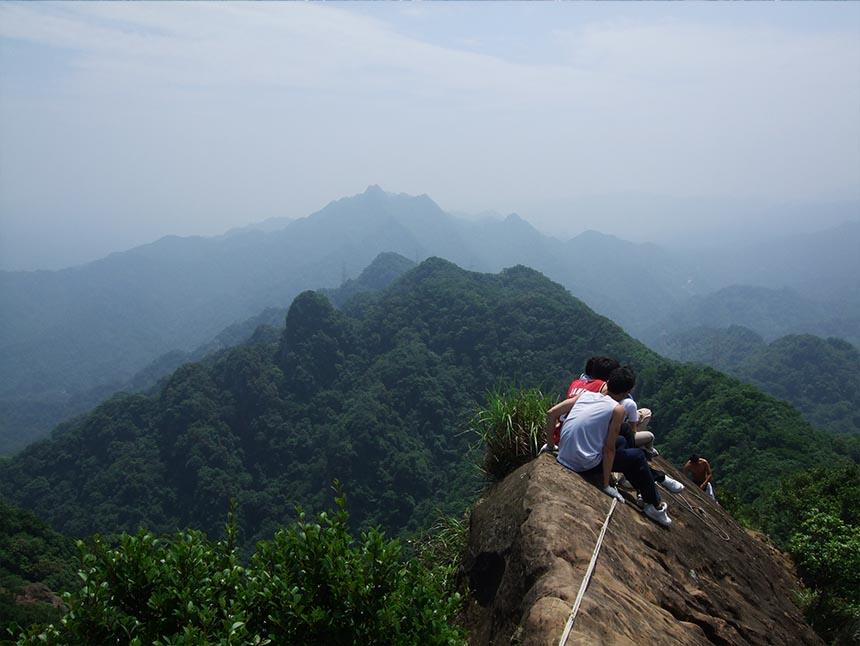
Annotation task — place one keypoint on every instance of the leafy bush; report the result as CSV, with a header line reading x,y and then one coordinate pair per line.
x,y
814,515
827,553
312,583
511,426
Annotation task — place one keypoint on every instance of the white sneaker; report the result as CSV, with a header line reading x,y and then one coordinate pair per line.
x,y
658,514
670,484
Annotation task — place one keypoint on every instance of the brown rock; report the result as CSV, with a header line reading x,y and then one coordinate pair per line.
x,y
704,580
32,593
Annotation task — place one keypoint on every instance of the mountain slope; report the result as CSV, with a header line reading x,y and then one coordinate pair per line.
x,y
96,325
25,419
377,397
820,377
771,313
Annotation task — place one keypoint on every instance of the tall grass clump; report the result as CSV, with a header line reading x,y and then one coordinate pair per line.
x,y
510,425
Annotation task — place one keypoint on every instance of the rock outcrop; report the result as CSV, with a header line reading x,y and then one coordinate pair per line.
x,y
704,580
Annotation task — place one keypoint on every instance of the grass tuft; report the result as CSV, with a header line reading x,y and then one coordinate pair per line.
x,y
510,425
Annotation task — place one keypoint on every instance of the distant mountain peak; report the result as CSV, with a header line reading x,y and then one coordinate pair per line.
x,y
374,189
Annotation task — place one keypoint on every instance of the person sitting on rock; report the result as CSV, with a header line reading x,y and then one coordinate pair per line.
x,y
699,471
633,429
593,379
590,442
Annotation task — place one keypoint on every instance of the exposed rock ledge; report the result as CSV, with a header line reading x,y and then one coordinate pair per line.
x,y
531,538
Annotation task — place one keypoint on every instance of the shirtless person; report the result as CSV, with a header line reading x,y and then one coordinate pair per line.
x,y
699,471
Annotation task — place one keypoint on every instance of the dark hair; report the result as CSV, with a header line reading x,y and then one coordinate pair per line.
x,y
589,366
602,367
694,457
621,380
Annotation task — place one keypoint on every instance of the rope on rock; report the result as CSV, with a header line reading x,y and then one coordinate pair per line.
x,y
569,625
701,513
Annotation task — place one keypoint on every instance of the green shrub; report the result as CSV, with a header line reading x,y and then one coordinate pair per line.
x,y
827,553
511,426
312,583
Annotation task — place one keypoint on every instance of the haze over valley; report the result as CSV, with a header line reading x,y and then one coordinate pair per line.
x,y
291,296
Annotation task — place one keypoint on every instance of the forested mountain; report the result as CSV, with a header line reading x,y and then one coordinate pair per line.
x,y
377,396
66,332
35,563
771,313
70,338
819,377
23,420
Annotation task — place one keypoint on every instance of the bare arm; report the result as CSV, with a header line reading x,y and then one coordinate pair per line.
x,y
708,475
609,447
562,408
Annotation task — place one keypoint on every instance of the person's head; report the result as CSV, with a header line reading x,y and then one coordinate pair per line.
x,y
694,458
602,367
620,382
589,366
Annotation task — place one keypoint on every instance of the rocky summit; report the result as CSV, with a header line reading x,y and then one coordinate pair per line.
x,y
704,580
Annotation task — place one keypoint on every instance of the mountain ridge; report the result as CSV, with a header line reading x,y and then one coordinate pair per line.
x,y
377,398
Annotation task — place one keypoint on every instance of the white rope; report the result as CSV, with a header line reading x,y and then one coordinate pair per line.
x,y
569,626
704,516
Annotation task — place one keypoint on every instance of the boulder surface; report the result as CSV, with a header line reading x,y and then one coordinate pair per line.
x,y
704,580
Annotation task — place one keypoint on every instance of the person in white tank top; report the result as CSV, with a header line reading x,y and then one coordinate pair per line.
x,y
590,443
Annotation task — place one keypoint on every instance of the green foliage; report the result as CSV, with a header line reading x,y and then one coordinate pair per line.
x,y
814,515
312,583
443,546
820,377
827,553
35,562
510,426
830,490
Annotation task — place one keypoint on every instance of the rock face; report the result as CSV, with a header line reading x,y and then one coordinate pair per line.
x,y
704,580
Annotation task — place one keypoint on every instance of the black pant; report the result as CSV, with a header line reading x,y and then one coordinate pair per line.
x,y
634,466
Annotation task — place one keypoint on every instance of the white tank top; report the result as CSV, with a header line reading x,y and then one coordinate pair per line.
x,y
583,434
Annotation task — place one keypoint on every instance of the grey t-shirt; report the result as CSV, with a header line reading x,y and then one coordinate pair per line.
x,y
583,433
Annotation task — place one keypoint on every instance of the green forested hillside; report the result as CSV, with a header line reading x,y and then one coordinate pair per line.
x,y
819,377
25,419
377,396
35,564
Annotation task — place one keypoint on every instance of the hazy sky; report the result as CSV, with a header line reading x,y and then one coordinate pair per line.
x,y
120,123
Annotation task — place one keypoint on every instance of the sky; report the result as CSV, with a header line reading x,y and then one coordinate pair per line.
x,y
124,122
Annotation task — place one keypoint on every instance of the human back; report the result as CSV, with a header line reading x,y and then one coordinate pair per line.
x,y
583,433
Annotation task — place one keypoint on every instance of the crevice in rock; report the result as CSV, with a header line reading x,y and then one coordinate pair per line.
x,y
486,576
710,631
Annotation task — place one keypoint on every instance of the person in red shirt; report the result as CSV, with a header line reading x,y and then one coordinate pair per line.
x,y
597,371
